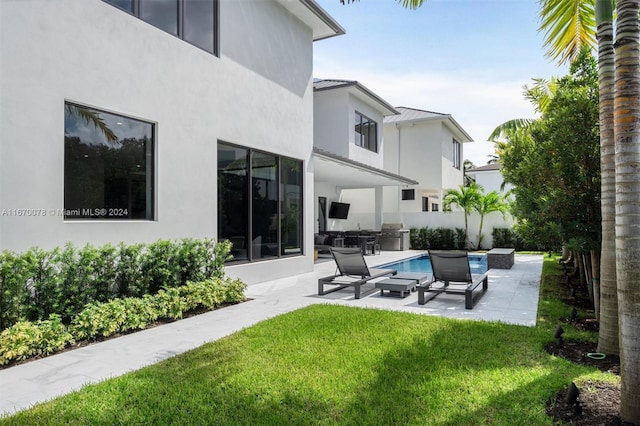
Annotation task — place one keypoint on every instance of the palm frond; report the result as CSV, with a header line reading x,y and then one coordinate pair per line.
x,y
93,117
510,127
541,93
568,25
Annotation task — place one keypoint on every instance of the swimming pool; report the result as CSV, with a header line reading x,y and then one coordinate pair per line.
x,y
421,263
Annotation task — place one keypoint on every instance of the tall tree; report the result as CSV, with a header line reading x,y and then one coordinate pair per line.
x,y
466,198
607,310
554,163
627,162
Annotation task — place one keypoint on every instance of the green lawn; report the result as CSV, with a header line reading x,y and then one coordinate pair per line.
x,y
337,365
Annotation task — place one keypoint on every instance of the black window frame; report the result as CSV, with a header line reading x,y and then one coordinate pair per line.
x,y
280,202
110,209
181,22
456,154
367,140
408,194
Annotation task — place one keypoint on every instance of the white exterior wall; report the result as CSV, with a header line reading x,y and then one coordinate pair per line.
x,y
331,112
334,125
332,193
453,220
258,94
491,180
452,178
425,154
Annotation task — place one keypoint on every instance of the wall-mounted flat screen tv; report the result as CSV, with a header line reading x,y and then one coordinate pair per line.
x,y
338,210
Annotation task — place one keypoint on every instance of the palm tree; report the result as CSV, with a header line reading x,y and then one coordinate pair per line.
x,y
607,307
619,132
466,198
626,107
489,203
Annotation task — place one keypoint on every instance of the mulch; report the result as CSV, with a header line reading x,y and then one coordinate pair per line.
x,y
598,404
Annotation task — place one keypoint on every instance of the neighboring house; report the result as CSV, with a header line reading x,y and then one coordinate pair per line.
x,y
348,153
130,120
490,178
429,147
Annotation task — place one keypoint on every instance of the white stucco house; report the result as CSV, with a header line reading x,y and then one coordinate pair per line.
x,y
429,146
348,160
490,178
127,120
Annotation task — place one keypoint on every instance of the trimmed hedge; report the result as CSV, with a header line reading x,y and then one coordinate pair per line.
x,y
62,281
437,238
507,237
26,339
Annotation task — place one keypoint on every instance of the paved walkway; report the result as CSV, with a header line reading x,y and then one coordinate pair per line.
x,y
512,298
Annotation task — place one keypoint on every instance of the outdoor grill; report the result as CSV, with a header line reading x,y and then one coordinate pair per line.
x,y
393,237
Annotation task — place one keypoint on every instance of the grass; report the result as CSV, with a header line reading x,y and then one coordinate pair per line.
x,y
325,365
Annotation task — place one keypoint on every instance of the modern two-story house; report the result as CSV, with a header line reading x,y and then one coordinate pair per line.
x,y
429,146
131,120
348,156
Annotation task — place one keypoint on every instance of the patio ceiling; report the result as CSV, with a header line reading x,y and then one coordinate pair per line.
x,y
349,174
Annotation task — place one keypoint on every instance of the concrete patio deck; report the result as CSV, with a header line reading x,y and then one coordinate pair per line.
x,y
512,298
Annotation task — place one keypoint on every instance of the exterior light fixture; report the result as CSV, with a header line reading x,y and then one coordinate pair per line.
x,y
558,335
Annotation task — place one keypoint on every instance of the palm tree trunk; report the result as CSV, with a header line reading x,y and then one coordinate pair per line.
x,y
480,231
627,160
608,305
467,242
595,279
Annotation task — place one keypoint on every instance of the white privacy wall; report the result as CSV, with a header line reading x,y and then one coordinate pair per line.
x,y
257,93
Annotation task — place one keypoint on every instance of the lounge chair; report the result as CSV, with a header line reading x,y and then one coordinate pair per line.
x,y
451,268
352,271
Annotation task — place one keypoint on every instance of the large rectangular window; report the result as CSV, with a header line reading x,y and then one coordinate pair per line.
x,y
366,132
194,21
259,203
108,165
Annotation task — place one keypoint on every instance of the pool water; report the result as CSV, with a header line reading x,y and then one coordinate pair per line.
x,y
477,263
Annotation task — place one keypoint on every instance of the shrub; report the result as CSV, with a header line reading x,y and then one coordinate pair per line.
x,y
62,281
15,272
437,238
504,237
25,339
123,315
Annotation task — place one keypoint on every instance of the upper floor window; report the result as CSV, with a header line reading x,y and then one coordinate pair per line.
x,y
190,20
366,132
457,163
108,165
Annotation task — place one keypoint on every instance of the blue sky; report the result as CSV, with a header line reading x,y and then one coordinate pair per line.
x,y
467,58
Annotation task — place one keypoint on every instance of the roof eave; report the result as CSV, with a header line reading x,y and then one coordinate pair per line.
x,y
321,23
445,117
387,108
